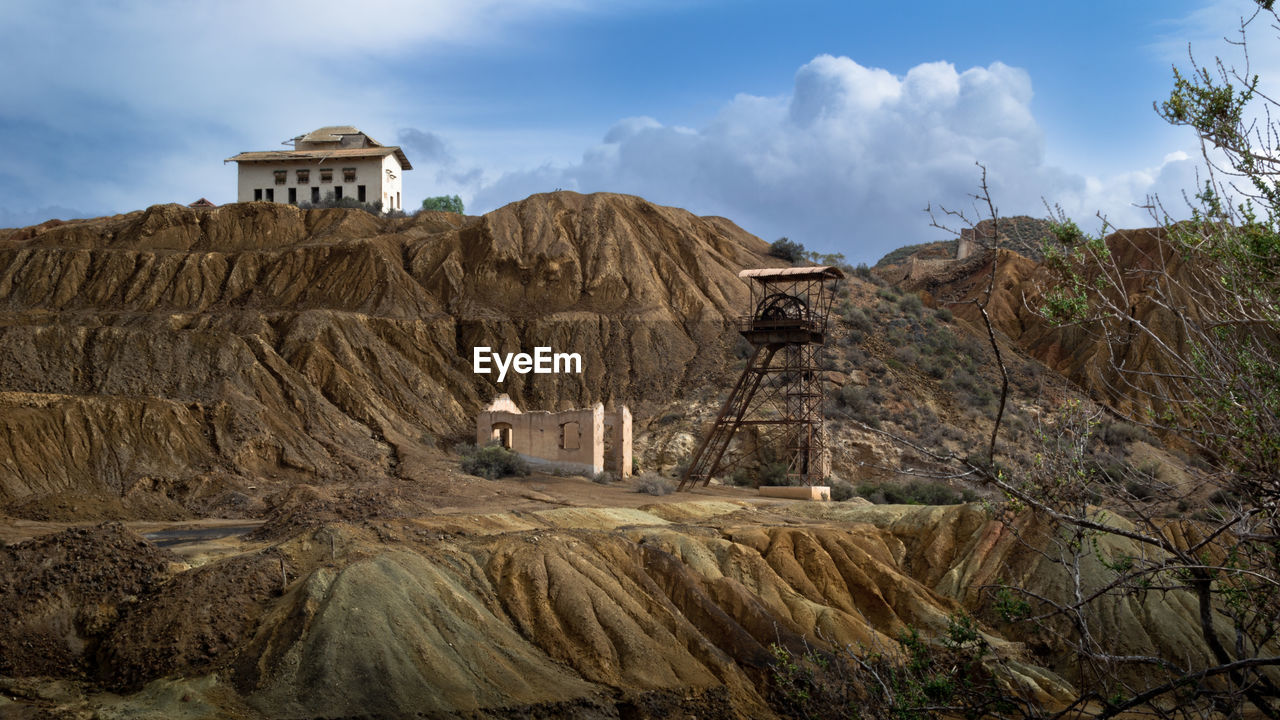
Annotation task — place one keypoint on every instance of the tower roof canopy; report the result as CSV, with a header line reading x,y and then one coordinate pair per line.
x,y
815,272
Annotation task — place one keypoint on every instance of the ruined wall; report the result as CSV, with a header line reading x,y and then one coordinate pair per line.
x,y
571,440
618,425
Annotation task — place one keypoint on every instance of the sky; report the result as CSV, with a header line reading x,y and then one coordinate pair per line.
x,y
832,123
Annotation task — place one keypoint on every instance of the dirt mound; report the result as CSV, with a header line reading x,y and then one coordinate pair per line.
x,y
61,593
556,614
177,361
192,622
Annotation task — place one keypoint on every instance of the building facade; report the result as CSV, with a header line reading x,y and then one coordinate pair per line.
x,y
588,441
331,163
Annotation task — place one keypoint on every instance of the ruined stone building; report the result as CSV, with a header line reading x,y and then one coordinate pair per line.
x,y
587,441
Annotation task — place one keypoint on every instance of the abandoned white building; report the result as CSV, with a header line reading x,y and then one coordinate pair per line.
x,y
331,163
587,441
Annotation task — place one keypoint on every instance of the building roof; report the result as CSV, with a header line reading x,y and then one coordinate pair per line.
x,y
333,133
202,203
814,272
320,155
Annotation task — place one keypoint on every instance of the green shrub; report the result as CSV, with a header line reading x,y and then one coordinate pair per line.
x,y
863,404
911,304
935,366
944,314
855,317
908,355
887,293
1139,489
604,478
1120,434
492,461
654,484
1224,497
785,249
742,477
841,490
947,676
444,203
774,473
669,418
915,492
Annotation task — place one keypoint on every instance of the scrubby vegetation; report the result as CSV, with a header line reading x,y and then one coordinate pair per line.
x,y
373,208
654,484
954,675
492,461
945,248
785,249
915,492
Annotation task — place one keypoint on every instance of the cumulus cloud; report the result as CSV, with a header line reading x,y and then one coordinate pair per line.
x,y
848,160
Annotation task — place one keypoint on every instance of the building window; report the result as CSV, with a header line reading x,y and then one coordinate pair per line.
x,y
326,175
282,176
315,195
348,174
257,193
293,196
360,193
271,194
304,177
337,192
569,436
397,200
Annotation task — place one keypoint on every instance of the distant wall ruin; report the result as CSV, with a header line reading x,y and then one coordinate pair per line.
x,y
588,441
970,238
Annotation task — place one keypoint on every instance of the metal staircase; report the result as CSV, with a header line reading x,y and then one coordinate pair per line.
x,y
706,459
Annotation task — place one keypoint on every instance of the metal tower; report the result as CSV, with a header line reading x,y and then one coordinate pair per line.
x,y
780,391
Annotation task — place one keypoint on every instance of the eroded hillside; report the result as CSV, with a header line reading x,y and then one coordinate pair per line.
x,y
669,608
303,373
161,363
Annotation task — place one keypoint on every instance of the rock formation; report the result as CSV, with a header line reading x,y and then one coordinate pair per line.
x,y
159,362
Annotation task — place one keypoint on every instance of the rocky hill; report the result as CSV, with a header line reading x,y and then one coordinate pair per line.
x,y
159,363
304,374
1081,352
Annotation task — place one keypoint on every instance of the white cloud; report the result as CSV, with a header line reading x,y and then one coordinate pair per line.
x,y
848,160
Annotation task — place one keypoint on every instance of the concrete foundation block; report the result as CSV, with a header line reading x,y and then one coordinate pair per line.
x,y
815,492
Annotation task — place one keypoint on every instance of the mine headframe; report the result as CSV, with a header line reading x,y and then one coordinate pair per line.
x,y
779,394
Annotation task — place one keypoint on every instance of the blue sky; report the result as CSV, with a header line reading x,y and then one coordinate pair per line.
x,y
834,123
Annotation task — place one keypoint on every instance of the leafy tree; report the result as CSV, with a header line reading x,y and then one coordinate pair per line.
x,y
1203,306
444,203
786,249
